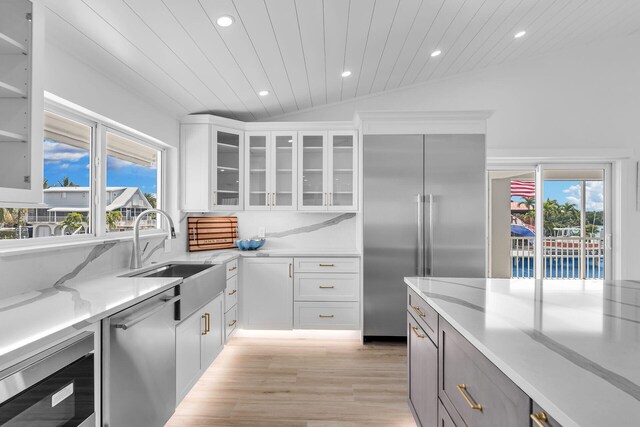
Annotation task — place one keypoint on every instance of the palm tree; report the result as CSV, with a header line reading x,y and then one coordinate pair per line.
x,y
45,183
73,221
151,198
529,202
112,219
66,182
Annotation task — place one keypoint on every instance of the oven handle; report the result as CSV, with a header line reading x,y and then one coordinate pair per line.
x,y
158,307
31,371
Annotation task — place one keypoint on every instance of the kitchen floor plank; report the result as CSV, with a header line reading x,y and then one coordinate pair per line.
x,y
260,382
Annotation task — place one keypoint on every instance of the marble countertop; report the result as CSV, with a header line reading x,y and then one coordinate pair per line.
x,y
573,346
225,255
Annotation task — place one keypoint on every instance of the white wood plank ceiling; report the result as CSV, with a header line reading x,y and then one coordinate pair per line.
x,y
173,53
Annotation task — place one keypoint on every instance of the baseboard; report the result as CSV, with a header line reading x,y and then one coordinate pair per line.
x,y
300,333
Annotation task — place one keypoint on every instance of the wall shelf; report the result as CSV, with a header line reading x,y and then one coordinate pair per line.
x,y
6,136
9,91
10,46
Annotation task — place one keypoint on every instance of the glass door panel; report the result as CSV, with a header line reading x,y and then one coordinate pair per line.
x,y
342,155
313,153
283,171
228,169
257,163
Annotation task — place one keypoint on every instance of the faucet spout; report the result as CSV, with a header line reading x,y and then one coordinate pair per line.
x,y
136,255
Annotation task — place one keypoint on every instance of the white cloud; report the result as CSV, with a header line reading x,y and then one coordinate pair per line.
x,y
55,152
594,195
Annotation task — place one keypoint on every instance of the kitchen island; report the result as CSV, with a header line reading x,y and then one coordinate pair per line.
x,y
567,349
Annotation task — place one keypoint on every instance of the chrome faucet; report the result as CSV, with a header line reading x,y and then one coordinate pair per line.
x,y
136,255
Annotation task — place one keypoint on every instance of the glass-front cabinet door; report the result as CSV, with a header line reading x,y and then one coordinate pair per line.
x,y
312,161
283,171
342,178
256,164
227,176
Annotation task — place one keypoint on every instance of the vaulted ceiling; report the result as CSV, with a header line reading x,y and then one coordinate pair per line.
x,y
173,53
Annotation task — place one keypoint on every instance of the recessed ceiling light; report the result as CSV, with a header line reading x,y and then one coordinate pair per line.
x,y
346,73
519,34
225,21
436,53
263,93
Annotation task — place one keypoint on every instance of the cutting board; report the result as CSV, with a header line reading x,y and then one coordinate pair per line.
x,y
208,233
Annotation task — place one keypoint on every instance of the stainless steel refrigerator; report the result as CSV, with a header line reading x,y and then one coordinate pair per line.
x,y
424,215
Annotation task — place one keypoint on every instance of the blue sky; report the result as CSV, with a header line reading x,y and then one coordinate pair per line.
x,y
62,160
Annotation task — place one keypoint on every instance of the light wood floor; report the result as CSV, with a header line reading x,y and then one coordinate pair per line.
x,y
258,382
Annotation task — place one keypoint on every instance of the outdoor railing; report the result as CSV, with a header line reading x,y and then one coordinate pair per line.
x,y
564,257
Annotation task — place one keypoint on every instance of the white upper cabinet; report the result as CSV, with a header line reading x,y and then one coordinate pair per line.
x,y
270,162
327,163
21,101
212,168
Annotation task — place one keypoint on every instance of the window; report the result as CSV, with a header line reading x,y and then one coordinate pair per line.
x,y
132,183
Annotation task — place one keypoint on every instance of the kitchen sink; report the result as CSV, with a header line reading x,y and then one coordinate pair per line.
x,y
174,270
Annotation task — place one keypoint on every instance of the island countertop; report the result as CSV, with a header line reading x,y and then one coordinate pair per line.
x,y
573,346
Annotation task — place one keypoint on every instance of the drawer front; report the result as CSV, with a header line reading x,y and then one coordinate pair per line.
x,y
326,315
326,287
540,417
231,293
422,357
327,265
444,419
232,268
230,321
475,388
426,316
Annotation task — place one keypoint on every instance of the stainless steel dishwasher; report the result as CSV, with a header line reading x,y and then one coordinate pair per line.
x,y
139,360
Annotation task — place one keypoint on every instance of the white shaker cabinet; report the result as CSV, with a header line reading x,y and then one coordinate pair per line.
x,y
327,171
21,100
271,171
211,167
267,293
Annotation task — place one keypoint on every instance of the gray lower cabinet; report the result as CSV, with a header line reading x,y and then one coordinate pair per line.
x,y
472,386
423,374
444,419
199,339
540,418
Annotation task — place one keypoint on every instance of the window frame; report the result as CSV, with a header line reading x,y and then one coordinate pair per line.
x,y
100,125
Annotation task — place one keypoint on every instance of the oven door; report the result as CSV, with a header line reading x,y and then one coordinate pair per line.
x,y
52,389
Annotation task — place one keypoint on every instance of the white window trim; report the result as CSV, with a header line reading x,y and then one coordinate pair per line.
x,y
99,124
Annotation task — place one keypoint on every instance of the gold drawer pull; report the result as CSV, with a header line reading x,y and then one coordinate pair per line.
x,y
326,316
204,317
462,388
233,268
233,292
415,331
417,309
540,419
208,316
327,265
232,323
327,287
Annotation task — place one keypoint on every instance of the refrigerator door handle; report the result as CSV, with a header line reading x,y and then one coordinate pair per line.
x,y
429,267
420,202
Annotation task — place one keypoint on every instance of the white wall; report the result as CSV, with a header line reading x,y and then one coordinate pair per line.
x,y
555,105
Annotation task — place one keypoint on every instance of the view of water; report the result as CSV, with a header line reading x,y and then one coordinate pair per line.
x,y
565,267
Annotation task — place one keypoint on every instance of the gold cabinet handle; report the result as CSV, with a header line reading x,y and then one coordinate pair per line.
x,y
462,388
324,199
417,309
232,323
418,334
273,199
330,199
208,321
540,419
233,292
204,317
215,198
327,265
233,268
327,287
324,316
290,270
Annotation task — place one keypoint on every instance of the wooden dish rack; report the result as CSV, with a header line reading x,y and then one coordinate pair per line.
x,y
208,233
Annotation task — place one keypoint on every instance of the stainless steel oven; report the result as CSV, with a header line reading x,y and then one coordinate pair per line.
x,y
54,388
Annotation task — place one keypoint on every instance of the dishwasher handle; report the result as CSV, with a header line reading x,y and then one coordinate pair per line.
x,y
129,323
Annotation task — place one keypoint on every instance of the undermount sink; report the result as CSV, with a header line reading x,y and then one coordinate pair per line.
x,y
174,270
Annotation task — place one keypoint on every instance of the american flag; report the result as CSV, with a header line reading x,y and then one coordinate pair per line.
x,y
523,188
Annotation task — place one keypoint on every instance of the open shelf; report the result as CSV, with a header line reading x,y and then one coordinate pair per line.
x,y
9,91
312,170
227,192
227,148
343,170
258,170
10,46
284,170
227,168
6,136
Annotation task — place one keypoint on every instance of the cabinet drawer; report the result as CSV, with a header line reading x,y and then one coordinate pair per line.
x,y
231,293
232,268
480,393
326,315
444,419
422,357
327,265
424,314
230,321
542,417
326,287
